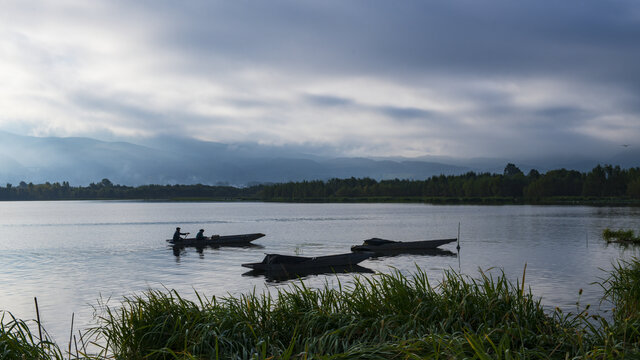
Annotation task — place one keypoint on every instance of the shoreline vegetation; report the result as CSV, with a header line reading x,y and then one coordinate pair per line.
x,y
602,186
620,236
386,316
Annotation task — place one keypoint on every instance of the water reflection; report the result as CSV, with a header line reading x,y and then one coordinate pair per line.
x,y
179,250
281,275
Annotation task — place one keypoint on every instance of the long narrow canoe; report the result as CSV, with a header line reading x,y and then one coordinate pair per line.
x,y
293,264
382,246
217,240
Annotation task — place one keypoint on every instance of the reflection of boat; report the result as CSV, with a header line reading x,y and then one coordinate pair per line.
x,y
179,250
278,275
385,247
295,264
217,240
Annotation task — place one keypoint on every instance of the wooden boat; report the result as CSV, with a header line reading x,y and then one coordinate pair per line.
x,y
294,264
217,240
422,252
383,246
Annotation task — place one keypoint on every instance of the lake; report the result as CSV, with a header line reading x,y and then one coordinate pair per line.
x,y
70,254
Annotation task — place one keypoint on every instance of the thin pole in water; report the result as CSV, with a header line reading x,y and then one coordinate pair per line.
x,y
35,299
586,237
458,248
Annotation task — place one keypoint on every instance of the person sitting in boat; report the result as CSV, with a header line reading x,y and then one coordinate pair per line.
x,y
177,235
200,235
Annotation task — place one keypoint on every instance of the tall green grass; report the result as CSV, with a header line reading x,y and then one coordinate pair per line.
x,y
622,290
382,317
17,341
386,316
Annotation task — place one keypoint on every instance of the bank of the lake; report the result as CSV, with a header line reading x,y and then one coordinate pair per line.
x,y
389,316
68,254
560,200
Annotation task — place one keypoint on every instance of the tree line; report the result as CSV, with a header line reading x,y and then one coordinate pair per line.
x,y
602,182
512,185
105,189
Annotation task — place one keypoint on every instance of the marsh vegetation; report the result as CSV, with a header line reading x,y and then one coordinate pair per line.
x,y
620,236
387,316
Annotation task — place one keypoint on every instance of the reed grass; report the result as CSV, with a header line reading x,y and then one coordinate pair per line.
x,y
620,236
386,316
382,317
17,341
622,291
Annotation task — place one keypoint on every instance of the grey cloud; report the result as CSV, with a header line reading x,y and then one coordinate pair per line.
x,y
545,118
114,105
454,46
589,43
393,112
251,103
402,113
495,37
328,101
560,111
137,116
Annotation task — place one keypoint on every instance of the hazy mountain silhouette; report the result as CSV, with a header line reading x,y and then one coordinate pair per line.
x,y
187,161
628,157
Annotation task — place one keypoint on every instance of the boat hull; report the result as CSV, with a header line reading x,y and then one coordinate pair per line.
x,y
299,264
382,246
225,240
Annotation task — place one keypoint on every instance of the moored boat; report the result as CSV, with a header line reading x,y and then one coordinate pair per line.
x,y
293,264
218,240
383,246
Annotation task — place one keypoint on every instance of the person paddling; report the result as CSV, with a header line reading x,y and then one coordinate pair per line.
x,y
177,234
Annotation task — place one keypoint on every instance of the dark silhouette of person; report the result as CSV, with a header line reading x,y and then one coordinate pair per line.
x,y
177,234
200,235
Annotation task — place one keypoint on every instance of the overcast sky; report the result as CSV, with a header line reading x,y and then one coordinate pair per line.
x,y
364,78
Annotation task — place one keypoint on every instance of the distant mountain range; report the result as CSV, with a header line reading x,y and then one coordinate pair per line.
x,y
187,161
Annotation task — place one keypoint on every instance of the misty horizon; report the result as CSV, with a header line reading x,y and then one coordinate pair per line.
x,y
81,161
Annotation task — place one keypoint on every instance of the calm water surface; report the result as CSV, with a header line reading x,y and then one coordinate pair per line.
x,y
70,254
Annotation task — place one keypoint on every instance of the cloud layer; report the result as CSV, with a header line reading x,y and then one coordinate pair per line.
x,y
364,78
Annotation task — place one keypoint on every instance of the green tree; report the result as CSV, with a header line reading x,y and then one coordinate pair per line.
x,y
106,183
533,174
512,170
594,182
633,189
